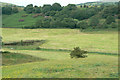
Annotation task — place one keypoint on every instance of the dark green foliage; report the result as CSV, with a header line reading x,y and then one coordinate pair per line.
x,y
46,8
29,9
15,10
37,9
46,23
110,19
56,7
70,16
109,10
50,13
71,7
7,10
56,23
82,25
38,48
4,52
69,23
78,53
43,23
82,14
94,21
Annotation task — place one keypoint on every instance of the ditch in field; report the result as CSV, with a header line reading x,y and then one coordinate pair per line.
x,y
34,45
26,44
9,58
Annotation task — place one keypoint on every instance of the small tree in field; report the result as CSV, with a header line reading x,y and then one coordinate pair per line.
x,y
78,53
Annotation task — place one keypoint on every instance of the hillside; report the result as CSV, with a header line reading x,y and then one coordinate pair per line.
x,y
13,20
69,16
97,3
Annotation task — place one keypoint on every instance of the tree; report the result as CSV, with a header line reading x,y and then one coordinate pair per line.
x,y
37,9
50,13
82,14
94,21
7,10
29,8
110,19
85,6
39,23
43,23
71,7
82,25
56,24
46,8
69,23
56,7
15,10
78,53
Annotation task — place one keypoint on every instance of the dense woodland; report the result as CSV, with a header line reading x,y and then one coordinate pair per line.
x,y
70,16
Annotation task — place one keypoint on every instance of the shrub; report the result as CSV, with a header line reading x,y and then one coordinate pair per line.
x,y
110,19
5,52
38,48
82,25
78,53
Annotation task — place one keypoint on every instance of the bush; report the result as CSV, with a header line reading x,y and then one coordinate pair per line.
x,y
82,25
78,53
5,52
110,19
38,48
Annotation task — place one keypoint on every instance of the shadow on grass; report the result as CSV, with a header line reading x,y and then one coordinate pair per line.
x,y
9,58
65,50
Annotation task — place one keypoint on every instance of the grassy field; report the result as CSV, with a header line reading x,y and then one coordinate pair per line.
x,y
98,41
58,64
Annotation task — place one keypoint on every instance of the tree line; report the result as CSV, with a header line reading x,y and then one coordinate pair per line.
x,y
71,16
8,10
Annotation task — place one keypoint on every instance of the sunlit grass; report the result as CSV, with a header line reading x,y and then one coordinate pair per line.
x,y
58,63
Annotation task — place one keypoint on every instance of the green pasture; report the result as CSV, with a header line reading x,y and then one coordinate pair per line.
x,y
98,41
57,63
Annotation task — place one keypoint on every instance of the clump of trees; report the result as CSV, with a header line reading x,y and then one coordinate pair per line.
x,y
82,25
94,21
78,53
70,16
9,10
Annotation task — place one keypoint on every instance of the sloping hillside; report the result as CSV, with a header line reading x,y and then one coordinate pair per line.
x,y
97,3
13,20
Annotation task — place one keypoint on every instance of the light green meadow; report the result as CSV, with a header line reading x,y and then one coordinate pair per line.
x,y
58,64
